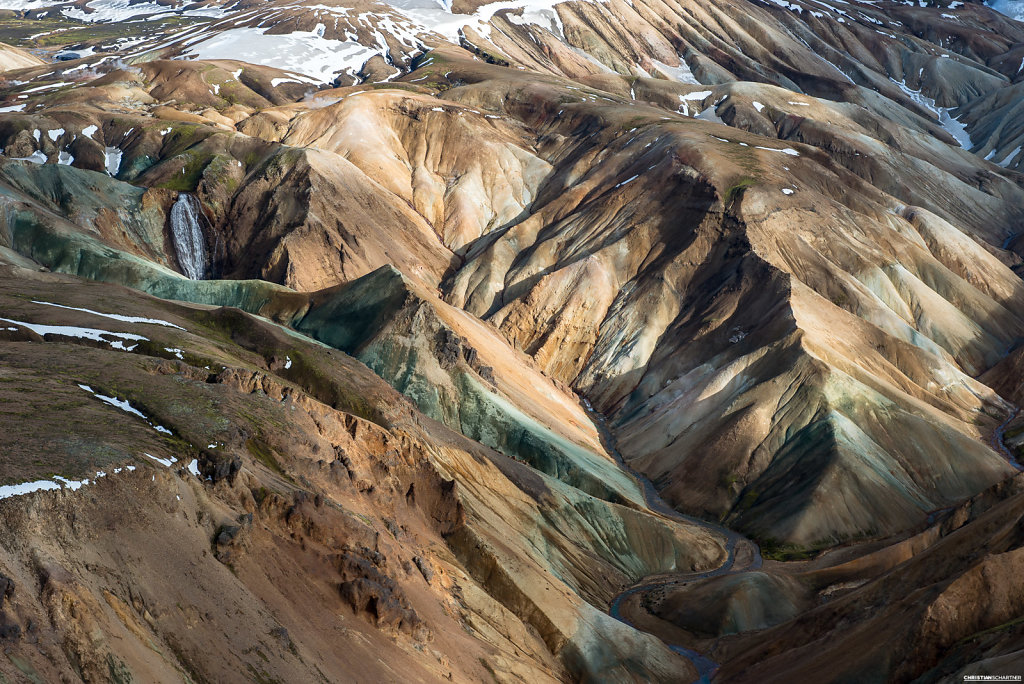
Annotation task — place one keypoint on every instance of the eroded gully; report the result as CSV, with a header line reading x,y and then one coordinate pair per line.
x,y
999,443
706,667
749,551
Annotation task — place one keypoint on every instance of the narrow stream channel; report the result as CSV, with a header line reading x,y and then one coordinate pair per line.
x,y
705,667
999,443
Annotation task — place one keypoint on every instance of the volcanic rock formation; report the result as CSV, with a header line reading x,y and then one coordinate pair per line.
x,y
423,329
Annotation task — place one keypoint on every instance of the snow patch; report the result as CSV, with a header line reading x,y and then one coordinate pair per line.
x,y
711,114
1010,157
955,128
680,73
93,334
112,10
126,407
55,483
112,160
48,86
303,52
166,462
23,488
116,317
786,150
1011,8
73,485
37,157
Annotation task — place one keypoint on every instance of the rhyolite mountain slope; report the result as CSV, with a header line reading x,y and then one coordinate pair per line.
x,y
773,244
638,256
12,58
273,498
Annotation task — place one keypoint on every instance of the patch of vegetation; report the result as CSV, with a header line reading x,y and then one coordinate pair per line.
x,y
184,662
365,519
255,157
181,137
52,30
840,299
432,58
56,31
420,88
260,495
491,57
218,174
132,168
772,549
262,676
749,499
1006,626
264,454
728,479
118,671
1015,432
314,380
637,122
25,668
188,178
736,190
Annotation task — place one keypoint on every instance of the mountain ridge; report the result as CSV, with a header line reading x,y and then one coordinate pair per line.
x,y
773,245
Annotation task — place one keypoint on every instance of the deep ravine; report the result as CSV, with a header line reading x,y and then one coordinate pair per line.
x,y
705,667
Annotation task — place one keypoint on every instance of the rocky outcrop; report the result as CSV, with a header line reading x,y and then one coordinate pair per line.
x,y
463,374
386,518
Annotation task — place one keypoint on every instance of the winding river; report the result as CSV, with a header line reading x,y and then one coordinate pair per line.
x,y
705,667
999,443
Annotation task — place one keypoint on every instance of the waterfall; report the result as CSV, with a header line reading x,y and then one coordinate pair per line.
x,y
187,233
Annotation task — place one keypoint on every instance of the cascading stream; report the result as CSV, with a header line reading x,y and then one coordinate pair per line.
x,y
187,233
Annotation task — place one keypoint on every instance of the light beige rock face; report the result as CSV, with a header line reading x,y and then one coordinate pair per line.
x,y
12,59
558,321
413,146
311,219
